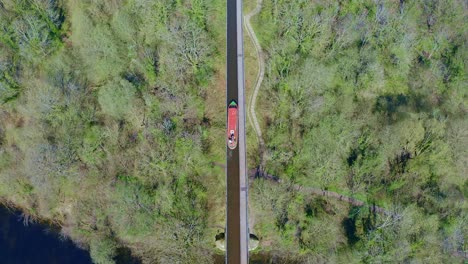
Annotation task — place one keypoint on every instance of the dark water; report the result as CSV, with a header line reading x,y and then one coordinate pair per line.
x,y
35,243
41,244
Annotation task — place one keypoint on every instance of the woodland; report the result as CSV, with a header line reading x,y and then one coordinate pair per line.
x,y
112,124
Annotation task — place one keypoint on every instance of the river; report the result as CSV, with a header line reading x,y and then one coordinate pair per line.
x,y
38,243
35,243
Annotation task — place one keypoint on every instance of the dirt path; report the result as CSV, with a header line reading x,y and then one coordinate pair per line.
x,y
257,173
260,75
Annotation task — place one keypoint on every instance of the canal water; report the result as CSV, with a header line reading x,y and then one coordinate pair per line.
x,y
41,244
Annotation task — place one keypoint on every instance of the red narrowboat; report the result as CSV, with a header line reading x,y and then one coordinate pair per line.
x,y
232,125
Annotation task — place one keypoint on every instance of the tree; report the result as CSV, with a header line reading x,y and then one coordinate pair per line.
x,y
116,98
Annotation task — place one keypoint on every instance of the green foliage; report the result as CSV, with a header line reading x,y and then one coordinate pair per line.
x,y
100,53
133,207
103,250
116,98
9,88
35,28
91,152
